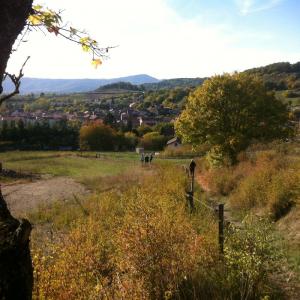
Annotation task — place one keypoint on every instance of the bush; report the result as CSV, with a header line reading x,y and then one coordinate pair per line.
x,y
97,136
158,244
144,244
271,186
153,141
184,151
291,94
251,256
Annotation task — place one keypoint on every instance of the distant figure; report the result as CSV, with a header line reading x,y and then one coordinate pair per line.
x,y
142,158
192,167
151,157
146,159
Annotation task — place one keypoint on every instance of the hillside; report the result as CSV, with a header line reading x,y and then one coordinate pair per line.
x,y
38,85
282,77
172,83
119,86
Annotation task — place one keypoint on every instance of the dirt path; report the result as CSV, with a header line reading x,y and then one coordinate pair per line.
x,y
21,198
202,181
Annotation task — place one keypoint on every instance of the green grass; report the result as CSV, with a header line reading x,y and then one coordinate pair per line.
x,y
86,168
68,163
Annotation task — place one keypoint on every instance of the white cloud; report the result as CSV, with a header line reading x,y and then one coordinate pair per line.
x,y
250,6
152,39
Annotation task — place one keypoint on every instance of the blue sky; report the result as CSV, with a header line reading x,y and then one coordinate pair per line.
x,y
279,19
168,38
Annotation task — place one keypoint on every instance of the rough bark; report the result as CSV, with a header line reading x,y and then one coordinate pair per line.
x,y
16,278
13,16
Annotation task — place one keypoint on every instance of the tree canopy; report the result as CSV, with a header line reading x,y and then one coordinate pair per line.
x,y
229,111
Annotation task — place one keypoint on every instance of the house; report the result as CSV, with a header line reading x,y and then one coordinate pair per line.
x,y
147,121
174,143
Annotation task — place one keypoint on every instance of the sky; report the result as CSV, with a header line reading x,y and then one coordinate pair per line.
x,y
166,38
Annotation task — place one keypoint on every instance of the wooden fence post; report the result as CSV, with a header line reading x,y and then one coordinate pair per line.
x,y
190,198
221,228
192,167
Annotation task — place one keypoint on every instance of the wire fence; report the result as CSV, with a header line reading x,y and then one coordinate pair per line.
x,y
191,199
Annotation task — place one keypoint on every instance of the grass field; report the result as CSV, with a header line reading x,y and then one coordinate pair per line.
x,y
68,163
109,169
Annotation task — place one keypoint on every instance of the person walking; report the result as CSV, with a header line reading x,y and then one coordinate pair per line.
x,y
151,157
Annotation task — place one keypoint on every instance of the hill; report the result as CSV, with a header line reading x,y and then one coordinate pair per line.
x,y
119,86
172,83
283,78
279,76
61,86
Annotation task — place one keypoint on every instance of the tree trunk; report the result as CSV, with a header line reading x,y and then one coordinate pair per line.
x,y
16,278
13,16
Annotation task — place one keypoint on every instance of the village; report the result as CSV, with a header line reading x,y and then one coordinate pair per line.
x,y
111,110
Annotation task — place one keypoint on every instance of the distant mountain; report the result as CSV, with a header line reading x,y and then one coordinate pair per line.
x,y
61,86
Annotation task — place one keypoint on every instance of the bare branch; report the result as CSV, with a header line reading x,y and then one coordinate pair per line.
x,y
16,80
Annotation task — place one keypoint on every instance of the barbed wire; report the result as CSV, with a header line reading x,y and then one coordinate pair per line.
x,y
200,202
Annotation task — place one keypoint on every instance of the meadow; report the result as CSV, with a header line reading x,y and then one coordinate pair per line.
x,y
133,236
69,163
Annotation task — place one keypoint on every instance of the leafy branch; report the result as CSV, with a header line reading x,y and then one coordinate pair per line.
x,y
44,18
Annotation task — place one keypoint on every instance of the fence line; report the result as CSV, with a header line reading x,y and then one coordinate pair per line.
x,y
220,208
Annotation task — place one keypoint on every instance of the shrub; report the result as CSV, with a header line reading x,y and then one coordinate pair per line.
x,y
153,141
270,186
144,244
282,193
97,136
251,256
184,151
157,243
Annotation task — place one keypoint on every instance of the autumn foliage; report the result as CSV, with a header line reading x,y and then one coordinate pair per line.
x,y
97,136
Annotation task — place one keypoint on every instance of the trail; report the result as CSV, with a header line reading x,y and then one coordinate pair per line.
x,y
202,181
21,198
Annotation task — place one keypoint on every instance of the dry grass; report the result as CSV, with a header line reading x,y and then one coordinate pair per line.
x,y
137,243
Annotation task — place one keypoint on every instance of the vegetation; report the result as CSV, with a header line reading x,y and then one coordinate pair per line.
x,y
134,237
153,141
174,83
97,136
265,182
81,166
230,111
39,135
127,86
144,243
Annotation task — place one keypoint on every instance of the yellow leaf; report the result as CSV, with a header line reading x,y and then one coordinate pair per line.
x,y
35,20
84,40
37,7
85,47
96,62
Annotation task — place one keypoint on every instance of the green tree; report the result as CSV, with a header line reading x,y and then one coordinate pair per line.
x,y
97,136
131,140
153,141
228,112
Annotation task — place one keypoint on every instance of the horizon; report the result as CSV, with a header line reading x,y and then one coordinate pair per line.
x,y
149,75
